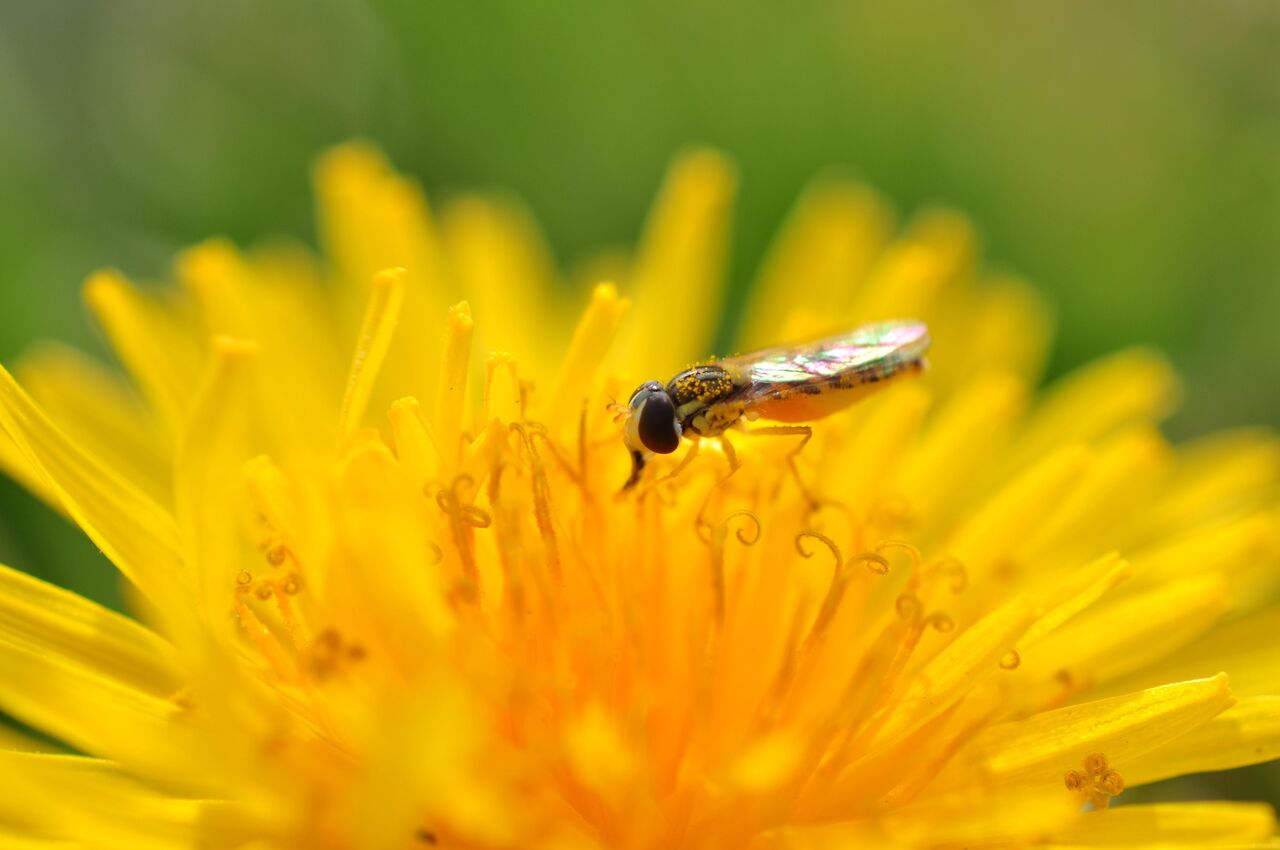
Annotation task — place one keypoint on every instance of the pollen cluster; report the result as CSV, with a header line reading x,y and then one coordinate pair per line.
x,y
702,384
386,593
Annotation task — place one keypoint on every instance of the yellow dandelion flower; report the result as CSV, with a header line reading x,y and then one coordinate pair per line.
x,y
387,594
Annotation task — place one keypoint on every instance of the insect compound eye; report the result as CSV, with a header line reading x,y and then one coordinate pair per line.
x,y
657,427
642,392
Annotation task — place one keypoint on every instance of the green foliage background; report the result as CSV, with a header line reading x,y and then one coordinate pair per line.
x,y
1124,156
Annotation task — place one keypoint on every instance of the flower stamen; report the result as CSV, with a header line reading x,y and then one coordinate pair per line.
x,y
262,637
499,360
902,546
1097,784
284,589
537,429
940,621
877,564
541,502
835,591
718,538
278,553
462,519
506,540
952,569
890,514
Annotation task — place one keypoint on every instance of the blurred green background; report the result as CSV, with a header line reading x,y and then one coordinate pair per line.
x,y
1124,156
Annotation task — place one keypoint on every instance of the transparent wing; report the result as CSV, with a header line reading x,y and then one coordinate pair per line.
x,y
872,352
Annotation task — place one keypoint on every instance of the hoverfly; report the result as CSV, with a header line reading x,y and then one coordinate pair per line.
x,y
788,384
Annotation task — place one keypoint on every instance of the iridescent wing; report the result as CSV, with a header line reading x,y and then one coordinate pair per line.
x,y
867,355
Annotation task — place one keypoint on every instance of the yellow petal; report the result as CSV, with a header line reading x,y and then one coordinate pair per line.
x,y
980,817
825,249
1218,474
23,841
765,764
1126,471
455,371
1224,549
162,354
1243,647
210,481
678,276
959,442
1131,633
381,316
599,756
93,804
135,534
493,241
1011,327
215,275
867,460
427,767
1246,733
1190,824
53,621
1082,590
482,453
373,219
395,576
273,298
852,835
72,700
994,531
590,344
1130,386
19,467
503,396
1039,750
939,248
971,658
415,445
97,411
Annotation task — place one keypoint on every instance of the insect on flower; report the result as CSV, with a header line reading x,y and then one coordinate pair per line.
x,y
788,384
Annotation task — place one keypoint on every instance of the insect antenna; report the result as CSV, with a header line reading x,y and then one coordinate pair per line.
x,y
619,411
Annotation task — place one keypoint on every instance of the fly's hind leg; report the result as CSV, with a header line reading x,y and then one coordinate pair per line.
x,y
803,431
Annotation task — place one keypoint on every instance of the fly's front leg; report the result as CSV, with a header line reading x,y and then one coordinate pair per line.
x,y
803,431
680,467
716,421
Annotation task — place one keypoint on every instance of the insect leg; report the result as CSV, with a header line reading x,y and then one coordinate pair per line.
x,y
803,431
684,461
637,466
730,454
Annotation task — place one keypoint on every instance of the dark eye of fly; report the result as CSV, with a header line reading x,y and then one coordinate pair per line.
x,y
646,387
657,426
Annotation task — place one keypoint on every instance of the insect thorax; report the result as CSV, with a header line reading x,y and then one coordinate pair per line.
x,y
697,392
